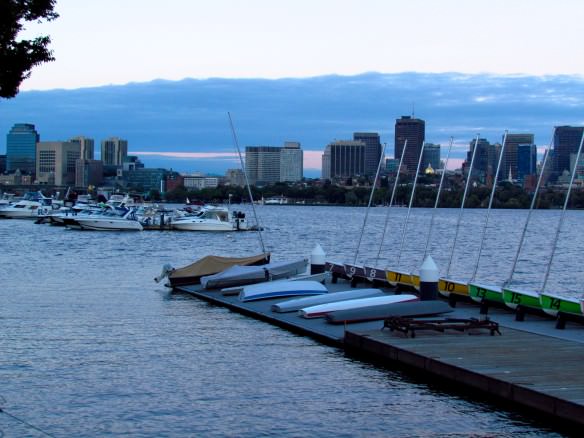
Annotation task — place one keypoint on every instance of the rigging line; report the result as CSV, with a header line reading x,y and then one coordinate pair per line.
x,y
404,230
562,216
32,426
533,201
381,158
468,178
493,189
437,199
391,200
247,183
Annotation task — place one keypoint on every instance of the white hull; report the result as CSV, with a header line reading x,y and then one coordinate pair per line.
x,y
324,309
279,289
301,303
202,225
19,213
109,224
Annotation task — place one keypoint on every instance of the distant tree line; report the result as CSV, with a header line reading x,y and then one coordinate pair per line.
x,y
507,195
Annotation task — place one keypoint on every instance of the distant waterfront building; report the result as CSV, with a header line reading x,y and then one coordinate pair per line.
x,y
414,131
485,161
198,182
343,159
262,164
88,173
114,151
235,177
391,166
146,179
132,162
2,163
510,158
291,162
431,156
372,151
174,180
86,145
526,161
566,142
56,161
21,144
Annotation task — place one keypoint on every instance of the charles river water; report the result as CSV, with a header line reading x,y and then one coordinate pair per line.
x,y
91,346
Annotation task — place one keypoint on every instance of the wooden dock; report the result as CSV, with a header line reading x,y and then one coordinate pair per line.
x,y
531,364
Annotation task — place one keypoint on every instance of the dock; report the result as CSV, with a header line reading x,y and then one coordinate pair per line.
x,y
530,365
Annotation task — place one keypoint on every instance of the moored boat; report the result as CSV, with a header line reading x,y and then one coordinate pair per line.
x,y
110,221
300,303
322,310
279,289
554,304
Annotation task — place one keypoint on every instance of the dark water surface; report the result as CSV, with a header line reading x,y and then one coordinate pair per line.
x,y
91,346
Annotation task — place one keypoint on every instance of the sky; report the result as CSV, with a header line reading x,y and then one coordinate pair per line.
x,y
114,42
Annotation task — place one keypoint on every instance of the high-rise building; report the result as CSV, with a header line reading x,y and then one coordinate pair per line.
x,y
88,172
262,164
291,162
372,151
114,151
21,147
87,146
485,161
509,164
526,161
2,163
566,142
55,162
235,177
344,159
414,131
431,156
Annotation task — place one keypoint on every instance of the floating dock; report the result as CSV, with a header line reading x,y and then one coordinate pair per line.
x,y
531,364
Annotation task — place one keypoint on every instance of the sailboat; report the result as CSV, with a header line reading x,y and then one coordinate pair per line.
x,y
519,299
447,285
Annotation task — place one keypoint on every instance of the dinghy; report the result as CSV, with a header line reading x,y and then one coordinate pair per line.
x,y
377,313
554,304
279,289
300,303
243,275
323,309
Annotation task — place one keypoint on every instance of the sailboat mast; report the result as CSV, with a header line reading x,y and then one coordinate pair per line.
x,y
381,158
437,199
493,189
563,214
401,159
468,178
247,183
531,206
403,237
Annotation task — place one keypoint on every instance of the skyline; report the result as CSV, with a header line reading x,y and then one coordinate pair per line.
x,y
301,38
183,124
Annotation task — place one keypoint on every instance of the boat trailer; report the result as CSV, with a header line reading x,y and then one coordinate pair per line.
x,y
411,325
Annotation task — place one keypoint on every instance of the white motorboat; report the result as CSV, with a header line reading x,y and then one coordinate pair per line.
x,y
323,309
211,219
110,221
28,207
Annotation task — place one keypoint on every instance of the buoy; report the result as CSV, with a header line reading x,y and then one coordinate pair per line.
x,y
429,276
317,260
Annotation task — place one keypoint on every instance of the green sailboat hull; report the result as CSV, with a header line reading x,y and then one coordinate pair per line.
x,y
481,292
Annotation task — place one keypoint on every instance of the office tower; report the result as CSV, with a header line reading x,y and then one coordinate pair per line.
x,y
2,163
485,161
291,162
87,146
391,166
566,142
114,151
344,159
414,131
509,164
21,148
262,164
55,162
372,150
526,161
88,172
431,156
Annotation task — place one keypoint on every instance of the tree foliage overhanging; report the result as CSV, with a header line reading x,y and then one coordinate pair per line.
x,y
17,58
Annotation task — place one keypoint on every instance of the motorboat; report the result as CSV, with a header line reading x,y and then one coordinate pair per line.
x,y
28,207
280,289
211,219
110,221
209,265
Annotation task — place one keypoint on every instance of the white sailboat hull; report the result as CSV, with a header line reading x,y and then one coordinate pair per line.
x,y
323,309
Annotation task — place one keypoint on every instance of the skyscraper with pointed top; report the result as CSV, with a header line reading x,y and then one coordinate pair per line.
x,y
414,131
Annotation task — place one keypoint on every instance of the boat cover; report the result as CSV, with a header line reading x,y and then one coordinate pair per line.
x,y
300,303
211,264
242,275
376,313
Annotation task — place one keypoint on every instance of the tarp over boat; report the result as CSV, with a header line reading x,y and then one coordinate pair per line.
x,y
211,264
242,275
